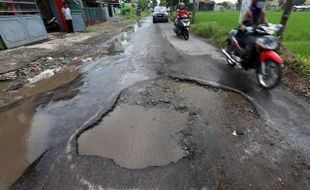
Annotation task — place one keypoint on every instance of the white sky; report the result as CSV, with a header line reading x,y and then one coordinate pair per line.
x,y
220,1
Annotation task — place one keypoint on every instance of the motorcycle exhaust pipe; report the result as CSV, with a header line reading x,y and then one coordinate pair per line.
x,y
228,56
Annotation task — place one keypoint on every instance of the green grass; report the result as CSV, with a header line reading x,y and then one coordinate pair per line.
x,y
296,38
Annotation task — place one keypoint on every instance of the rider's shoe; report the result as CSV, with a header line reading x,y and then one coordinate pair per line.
x,y
239,66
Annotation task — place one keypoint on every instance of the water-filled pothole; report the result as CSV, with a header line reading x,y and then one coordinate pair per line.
x,y
136,137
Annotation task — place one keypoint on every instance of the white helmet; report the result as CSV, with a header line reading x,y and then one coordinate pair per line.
x,y
182,5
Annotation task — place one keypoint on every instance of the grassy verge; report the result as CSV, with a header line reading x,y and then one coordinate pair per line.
x,y
215,25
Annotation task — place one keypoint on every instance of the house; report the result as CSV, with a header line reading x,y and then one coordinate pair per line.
x,y
27,21
84,12
206,5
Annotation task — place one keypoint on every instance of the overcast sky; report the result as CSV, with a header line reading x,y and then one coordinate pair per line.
x,y
219,1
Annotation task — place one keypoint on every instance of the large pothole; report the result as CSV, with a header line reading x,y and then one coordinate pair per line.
x,y
151,124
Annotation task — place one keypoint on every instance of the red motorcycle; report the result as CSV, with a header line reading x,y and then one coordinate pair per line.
x,y
267,63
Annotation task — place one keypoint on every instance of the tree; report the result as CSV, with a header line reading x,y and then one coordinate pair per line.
x,y
194,11
288,6
225,4
154,3
163,3
238,4
143,4
281,3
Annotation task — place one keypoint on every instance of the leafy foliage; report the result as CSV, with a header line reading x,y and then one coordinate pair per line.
x,y
299,2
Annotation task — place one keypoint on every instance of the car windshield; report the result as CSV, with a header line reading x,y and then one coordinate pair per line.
x,y
160,9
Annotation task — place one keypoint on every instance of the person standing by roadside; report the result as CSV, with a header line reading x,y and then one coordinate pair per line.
x,y
67,14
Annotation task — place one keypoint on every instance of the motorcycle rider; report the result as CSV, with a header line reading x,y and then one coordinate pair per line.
x,y
180,12
253,17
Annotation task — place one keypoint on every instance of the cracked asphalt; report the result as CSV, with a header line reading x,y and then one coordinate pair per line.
x,y
159,112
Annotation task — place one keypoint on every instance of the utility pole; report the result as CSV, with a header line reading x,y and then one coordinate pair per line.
x,y
288,6
194,11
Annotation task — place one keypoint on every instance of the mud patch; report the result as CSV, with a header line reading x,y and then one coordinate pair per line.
x,y
129,29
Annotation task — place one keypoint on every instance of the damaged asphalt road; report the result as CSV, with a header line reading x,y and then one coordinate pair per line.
x,y
160,112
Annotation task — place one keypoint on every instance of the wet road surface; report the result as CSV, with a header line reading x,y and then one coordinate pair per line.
x,y
82,131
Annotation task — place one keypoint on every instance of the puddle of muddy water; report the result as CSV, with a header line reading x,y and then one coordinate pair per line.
x,y
24,129
120,43
135,137
14,125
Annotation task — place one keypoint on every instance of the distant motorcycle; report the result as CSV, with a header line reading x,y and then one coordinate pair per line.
x,y
267,63
182,27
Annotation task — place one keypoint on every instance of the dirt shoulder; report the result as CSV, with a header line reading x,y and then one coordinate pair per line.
x,y
296,82
293,78
22,67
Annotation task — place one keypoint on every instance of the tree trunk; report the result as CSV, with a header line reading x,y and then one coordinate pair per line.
x,y
194,11
170,8
286,13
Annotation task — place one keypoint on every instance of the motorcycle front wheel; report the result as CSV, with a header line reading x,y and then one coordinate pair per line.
x,y
271,76
186,34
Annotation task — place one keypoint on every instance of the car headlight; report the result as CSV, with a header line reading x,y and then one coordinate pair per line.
x,y
166,14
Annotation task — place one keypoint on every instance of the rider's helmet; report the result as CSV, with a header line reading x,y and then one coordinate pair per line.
x,y
182,6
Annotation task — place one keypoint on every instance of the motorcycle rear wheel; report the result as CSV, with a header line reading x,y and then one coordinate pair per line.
x,y
272,77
